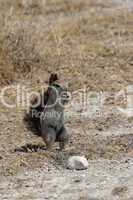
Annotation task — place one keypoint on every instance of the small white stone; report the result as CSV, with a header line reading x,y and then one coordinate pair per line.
x,y
77,162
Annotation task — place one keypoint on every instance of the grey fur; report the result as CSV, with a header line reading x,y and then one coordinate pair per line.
x,y
52,119
49,119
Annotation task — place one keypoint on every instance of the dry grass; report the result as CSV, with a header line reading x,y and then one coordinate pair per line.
x,y
18,54
20,50
90,47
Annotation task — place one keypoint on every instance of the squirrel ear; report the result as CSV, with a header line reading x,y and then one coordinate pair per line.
x,y
53,78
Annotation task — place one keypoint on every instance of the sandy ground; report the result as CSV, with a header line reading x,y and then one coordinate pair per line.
x,y
103,180
105,138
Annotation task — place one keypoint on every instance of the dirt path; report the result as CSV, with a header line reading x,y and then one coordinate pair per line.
x,y
106,141
107,180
